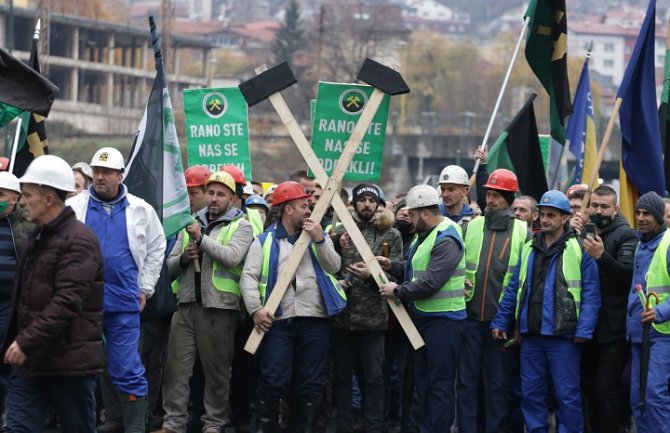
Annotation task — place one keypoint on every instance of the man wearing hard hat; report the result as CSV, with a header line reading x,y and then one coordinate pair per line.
x,y
133,244
295,348
554,298
13,227
209,306
454,186
434,291
54,339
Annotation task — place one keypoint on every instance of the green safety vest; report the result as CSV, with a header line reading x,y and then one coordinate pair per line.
x,y
658,280
265,270
224,279
256,221
474,238
572,272
451,296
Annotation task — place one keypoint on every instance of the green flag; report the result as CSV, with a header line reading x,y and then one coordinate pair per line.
x,y
547,55
518,149
154,171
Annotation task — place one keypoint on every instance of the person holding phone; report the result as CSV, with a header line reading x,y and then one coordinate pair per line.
x,y
611,242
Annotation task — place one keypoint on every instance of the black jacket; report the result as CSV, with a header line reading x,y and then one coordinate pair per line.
x,y
616,271
57,307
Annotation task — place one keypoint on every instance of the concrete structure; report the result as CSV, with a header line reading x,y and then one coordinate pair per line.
x,y
104,70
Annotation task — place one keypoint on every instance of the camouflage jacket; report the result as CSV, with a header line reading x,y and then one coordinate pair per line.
x,y
366,309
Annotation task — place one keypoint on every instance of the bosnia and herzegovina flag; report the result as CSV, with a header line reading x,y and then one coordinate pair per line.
x,y
154,170
33,135
641,168
581,130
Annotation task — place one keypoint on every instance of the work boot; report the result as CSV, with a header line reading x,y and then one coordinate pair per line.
x,y
112,426
266,416
134,411
304,420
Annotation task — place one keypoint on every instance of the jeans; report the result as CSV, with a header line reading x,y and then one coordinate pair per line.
x,y
294,352
435,372
349,348
72,398
483,357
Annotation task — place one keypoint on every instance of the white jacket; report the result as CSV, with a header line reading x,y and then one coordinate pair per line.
x,y
146,238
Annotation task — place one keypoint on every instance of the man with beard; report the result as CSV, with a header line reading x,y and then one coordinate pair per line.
x,y
604,358
294,350
358,332
555,298
209,303
493,248
433,289
651,272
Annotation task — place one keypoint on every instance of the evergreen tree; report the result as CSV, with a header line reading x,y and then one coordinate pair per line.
x,y
290,36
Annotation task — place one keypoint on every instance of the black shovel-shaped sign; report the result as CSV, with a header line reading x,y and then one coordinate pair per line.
x,y
646,347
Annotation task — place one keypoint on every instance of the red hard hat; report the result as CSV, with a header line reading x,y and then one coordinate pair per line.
x,y
197,175
287,191
233,170
576,188
503,180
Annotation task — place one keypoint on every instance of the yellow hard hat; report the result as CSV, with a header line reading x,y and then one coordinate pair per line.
x,y
224,178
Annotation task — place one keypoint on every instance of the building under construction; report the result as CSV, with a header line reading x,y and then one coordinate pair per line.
x,y
104,70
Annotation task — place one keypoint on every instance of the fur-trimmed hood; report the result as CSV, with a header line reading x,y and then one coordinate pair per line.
x,y
383,218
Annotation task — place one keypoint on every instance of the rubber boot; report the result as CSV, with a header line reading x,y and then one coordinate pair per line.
x,y
304,420
134,411
267,412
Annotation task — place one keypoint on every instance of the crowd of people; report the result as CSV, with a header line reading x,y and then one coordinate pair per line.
x,y
532,313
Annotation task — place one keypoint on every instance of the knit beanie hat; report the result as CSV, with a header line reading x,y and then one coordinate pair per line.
x,y
402,203
365,189
509,196
652,203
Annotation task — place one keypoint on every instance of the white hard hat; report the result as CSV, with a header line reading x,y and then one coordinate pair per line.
x,y
422,196
9,181
269,191
248,188
50,170
84,168
108,157
454,174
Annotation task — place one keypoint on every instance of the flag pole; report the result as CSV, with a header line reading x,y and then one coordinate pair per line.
x,y
562,155
15,144
19,122
500,96
601,152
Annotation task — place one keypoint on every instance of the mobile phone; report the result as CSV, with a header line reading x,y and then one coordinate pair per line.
x,y
590,230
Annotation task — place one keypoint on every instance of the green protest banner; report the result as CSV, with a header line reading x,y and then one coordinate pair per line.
x,y
338,107
217,128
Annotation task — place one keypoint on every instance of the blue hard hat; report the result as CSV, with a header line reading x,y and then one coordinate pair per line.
x,y
257,200
555,199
